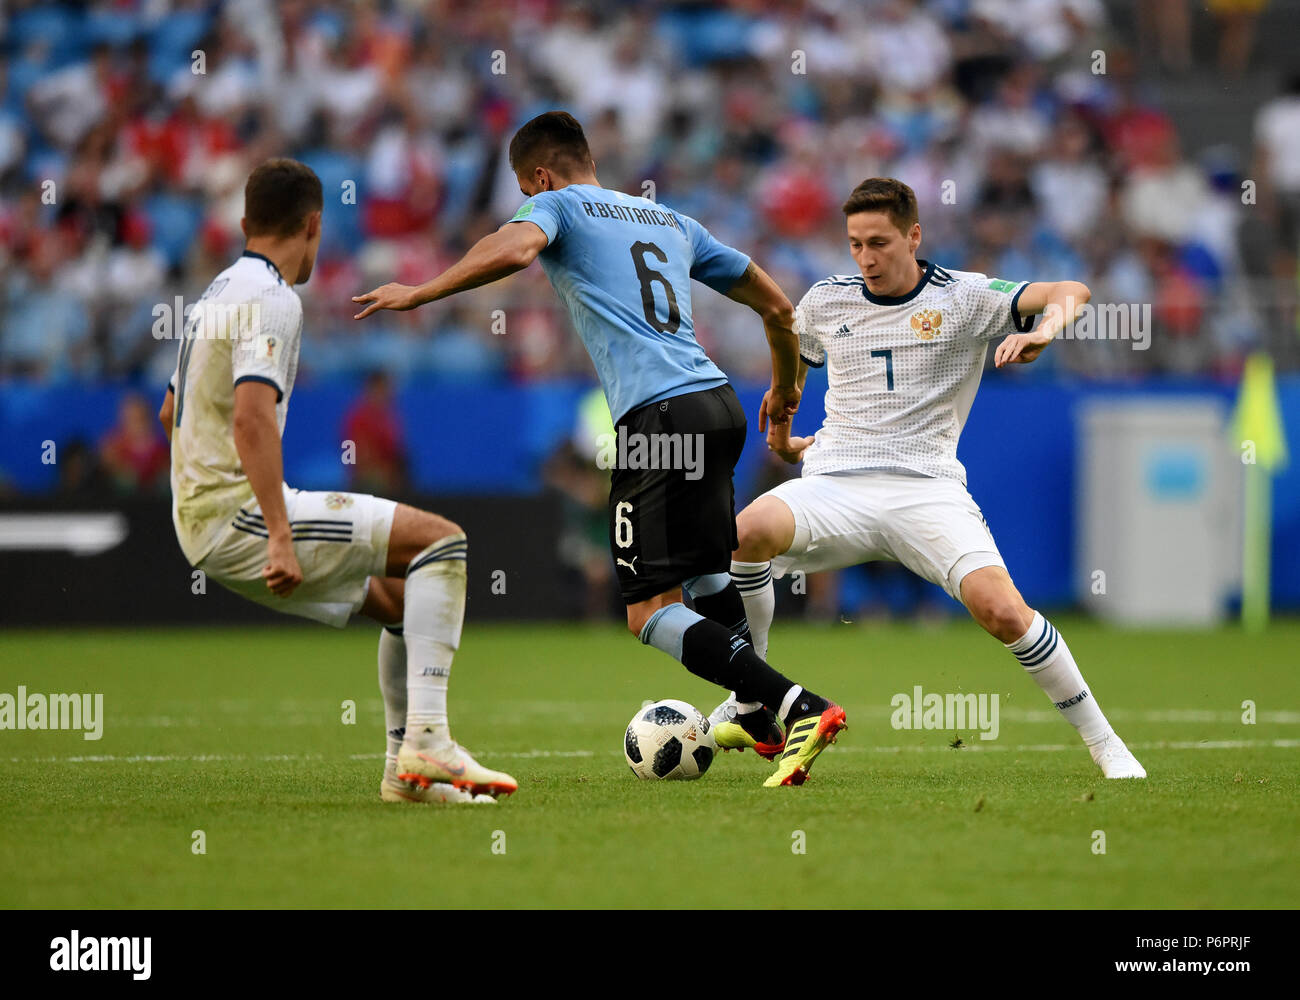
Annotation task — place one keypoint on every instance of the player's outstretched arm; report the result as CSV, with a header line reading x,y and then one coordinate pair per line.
x,y
1060,302
257,439
757,290
166,413
498,255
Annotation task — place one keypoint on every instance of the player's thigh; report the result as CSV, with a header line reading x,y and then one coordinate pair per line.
x,y
765,529
836,523
339,539
413,531
936,530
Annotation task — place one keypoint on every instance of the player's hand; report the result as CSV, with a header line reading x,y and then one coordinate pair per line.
x,y
281,572
389,296
790,449
780,403
1020,348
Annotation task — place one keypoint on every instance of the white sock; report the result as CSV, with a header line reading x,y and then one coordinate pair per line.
x,y
787,702
1046,658
392,685
734,708
431,624
754,581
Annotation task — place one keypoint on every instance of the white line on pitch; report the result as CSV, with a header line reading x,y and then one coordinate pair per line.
x,y
303,717
528,754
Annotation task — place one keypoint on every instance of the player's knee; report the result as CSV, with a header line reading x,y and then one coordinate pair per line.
x,y
636,619
1004,618
434,528
758,538
747,539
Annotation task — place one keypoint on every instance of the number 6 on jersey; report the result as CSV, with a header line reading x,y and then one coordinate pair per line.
x,y
622,525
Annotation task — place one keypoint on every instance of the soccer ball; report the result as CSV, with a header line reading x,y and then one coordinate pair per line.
x,y
670,740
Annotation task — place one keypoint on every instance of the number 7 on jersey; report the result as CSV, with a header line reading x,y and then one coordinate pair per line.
x,y
888,355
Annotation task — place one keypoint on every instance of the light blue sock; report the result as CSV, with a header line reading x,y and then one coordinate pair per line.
x,y
707,585
667,627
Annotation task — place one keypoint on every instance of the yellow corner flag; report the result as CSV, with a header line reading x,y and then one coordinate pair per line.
x,y
1257,423
1257,428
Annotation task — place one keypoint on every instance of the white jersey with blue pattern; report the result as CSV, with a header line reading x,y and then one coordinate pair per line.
x,y
903,370
246,328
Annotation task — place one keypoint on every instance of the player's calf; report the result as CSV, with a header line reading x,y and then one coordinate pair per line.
x,y
765,529
385,599
711,651
996,604
431,552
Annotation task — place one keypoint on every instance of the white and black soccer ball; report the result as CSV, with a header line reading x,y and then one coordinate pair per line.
x,y
669,740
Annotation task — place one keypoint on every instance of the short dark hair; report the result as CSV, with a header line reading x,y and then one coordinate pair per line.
x,y
887,195
279,196
554,140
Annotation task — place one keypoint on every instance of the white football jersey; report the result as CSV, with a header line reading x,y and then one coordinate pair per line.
x,y
247,326
903,369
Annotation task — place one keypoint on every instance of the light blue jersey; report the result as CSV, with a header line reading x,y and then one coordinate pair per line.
x,y
623,266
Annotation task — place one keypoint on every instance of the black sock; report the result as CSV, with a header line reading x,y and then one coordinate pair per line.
x,y
806,704
761,724
709,650
726,607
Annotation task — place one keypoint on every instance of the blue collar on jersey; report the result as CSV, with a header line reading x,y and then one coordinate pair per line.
x,y
898,300
269,262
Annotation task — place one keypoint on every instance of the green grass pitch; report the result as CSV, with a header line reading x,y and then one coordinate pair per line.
x,y
241,734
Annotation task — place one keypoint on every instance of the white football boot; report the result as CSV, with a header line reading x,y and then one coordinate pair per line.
x,y
430,756
394,789
1115,759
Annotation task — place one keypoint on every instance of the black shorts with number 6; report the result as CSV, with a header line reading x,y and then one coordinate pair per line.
x,y
672,505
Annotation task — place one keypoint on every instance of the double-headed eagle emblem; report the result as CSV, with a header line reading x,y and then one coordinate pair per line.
x,y
925,323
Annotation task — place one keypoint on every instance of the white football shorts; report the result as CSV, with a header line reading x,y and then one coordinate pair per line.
x,y
340,539
930,525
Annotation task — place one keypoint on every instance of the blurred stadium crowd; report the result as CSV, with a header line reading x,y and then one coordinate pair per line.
x,y
127,129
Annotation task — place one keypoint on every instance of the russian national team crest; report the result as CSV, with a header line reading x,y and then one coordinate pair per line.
x,y
337,501
925,323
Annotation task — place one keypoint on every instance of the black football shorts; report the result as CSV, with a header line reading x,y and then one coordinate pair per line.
x,y
672,505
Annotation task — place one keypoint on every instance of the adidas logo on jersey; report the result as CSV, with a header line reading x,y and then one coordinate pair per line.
x,y
843,331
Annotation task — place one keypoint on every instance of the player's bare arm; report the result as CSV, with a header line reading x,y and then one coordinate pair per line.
x,y
257,439
498,255
779,437
1060,302
166,412
756,289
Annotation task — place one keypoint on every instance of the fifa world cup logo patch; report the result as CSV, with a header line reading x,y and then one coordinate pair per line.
x,y
264,347
925,323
